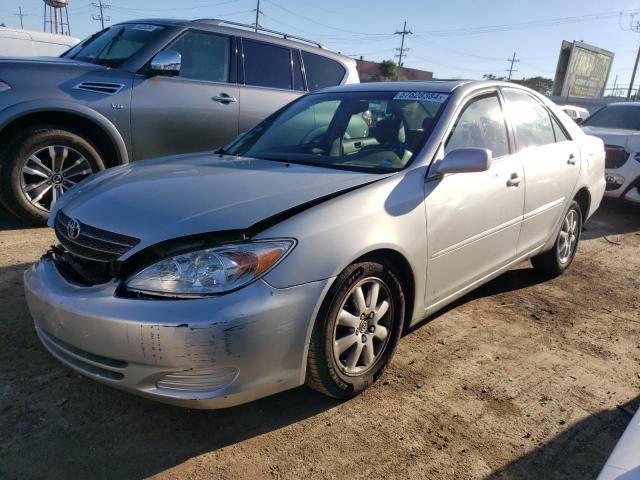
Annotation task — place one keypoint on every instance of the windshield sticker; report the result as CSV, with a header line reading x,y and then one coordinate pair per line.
x,y
146,28
387,163
428,96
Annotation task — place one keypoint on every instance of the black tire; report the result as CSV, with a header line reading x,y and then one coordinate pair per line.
x,y
552,262
325,373
20,148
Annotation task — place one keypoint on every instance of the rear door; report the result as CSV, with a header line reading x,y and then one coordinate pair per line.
x,y
197,110
551,163
270,77
473,219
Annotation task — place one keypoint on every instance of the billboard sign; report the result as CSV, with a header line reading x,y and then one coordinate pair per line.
x,y
583,70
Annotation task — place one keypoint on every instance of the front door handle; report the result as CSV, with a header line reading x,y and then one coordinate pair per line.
x,y
224,98
572,159
514,181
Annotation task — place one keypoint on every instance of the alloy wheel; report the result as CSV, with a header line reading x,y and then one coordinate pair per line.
x,y
51,171
363,326
568,236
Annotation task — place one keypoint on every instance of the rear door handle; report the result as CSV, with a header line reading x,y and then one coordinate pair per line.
x,y
572,159
224,98
514,181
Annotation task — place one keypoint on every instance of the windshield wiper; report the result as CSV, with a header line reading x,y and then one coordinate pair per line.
x,y
222,151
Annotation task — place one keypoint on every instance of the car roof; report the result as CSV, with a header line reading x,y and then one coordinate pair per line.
x,y
626,104
439,86
246,31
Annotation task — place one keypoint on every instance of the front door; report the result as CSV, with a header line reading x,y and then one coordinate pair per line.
x,y
473,219
551,163
197,110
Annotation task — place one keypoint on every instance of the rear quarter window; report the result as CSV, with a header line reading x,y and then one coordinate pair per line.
x,y
322,71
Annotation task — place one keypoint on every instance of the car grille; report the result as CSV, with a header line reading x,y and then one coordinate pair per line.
x,y
93,243
615,156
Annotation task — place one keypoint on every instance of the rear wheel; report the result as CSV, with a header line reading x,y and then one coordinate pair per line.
x,y
357,330
39,166
557,260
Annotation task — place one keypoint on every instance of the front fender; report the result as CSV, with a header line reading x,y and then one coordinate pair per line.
x,y
22,109
388,214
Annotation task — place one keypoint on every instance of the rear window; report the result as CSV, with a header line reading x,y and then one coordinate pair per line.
x,y
615,116
266,65
321,71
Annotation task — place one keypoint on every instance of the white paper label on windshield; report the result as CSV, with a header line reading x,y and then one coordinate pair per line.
x,y
428,96
145,27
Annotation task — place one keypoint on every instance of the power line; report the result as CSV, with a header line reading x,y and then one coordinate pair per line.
x,y
512,60
401,50
102,6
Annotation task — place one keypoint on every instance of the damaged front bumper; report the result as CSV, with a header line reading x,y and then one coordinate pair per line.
x,y
200,353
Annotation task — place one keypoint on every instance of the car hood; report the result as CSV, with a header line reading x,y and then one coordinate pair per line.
x,y
630,139
48,62
171,197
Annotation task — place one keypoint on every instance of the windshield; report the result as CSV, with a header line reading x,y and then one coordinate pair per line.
x,y
616,116
113,46
370,131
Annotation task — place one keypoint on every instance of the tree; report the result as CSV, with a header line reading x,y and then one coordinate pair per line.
x,y
539,84
491,76
388,69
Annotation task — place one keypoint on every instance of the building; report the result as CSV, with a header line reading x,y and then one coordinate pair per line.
x,y
370,72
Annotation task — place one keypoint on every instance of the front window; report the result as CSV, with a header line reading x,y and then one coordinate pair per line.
x,y
368,131
114,45
615,116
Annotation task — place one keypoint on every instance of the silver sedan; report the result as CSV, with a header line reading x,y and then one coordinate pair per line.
x,y
302,251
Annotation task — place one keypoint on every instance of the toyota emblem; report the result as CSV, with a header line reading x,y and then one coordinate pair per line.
x,y
73,229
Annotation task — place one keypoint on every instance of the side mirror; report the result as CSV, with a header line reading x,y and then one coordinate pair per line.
x,y
465,160
167,63
578,120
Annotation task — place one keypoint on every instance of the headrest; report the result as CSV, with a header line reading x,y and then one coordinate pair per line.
x,y
427,123
390,131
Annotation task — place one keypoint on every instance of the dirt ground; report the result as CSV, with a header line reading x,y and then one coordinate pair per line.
x,y
525,378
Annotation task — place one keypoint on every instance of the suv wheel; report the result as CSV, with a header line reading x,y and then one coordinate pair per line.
x,y
357,330
39,166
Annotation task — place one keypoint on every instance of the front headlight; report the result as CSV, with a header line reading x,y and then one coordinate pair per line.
x,y
211,271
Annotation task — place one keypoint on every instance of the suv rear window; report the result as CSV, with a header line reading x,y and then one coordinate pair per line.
x,y
266,65
113,46
321,71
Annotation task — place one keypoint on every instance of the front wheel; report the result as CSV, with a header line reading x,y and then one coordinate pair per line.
x,y
39,166
555,261
357,330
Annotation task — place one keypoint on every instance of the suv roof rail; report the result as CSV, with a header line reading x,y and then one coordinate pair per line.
x,y
287,36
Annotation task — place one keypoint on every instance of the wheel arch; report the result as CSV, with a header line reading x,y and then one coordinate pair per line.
x,y
90,124
583,197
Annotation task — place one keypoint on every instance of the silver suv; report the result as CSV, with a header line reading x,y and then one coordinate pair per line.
x,y
144,89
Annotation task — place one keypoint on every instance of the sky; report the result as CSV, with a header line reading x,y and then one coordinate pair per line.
x,y
453,39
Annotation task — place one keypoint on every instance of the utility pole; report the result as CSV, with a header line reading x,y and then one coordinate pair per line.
x,y
512,60
402,50
633,74
102,6
20,14
258,12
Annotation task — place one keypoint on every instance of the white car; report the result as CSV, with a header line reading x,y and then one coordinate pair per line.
x,y
575,113
624,462
25,43
618,125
